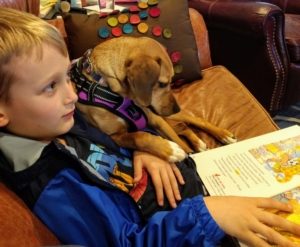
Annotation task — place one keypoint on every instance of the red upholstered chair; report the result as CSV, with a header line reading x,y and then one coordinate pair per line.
x,y
259,42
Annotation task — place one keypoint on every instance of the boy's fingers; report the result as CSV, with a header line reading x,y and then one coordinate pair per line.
x,y
178,174
269,237
159,190
268,203
173,182
168,186
277,221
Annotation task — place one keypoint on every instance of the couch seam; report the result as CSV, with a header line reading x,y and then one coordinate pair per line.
x,y
273,104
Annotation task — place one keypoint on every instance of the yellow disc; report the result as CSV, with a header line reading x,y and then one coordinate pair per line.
x,y
167,33
178,68
112,21
123,18
142,5
152,2
65,6
143,27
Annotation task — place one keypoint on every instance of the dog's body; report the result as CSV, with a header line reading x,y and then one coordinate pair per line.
x,y
139,69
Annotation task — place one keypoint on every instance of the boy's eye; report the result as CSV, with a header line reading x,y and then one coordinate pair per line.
x,y
50,88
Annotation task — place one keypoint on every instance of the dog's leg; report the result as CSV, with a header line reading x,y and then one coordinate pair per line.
x,y
183,130
222,135
147,142
163,127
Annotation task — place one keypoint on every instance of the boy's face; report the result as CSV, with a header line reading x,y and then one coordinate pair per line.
x,y
42,99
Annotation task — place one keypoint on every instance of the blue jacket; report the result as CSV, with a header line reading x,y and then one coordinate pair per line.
x,y
82,207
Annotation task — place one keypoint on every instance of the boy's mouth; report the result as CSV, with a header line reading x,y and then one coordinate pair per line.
x,y
69,115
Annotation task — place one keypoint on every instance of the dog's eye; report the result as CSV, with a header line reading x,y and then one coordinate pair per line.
x,y
162,85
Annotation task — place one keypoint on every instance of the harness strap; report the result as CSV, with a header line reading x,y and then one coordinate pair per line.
x,y
91,92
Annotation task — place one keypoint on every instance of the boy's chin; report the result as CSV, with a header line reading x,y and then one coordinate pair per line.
x,y
68,126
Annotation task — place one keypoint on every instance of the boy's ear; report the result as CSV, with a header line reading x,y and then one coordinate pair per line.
x,y
3,117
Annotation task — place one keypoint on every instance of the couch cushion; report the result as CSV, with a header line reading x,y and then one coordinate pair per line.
x,y
292,36
83,29
224,101
19,227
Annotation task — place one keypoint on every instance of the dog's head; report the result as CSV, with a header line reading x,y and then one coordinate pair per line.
x,y
137,68
148,82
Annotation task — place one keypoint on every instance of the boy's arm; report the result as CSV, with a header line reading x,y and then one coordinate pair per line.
x,y
79,213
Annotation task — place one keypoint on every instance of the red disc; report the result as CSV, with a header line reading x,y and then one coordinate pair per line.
x,y
157,30
154,12
116,31
135,19
175,56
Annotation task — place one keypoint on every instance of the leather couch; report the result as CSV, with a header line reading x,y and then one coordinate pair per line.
x,y
219,97
259,42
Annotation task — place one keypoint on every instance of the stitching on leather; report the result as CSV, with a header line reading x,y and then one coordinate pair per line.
x,y
210,7
273,104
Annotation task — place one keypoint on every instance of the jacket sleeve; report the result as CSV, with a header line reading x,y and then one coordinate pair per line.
x,y
84,214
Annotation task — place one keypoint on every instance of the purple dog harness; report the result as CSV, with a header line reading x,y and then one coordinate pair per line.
x,y
91,92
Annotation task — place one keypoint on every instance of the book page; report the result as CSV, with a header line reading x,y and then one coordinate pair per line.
x,y
261,166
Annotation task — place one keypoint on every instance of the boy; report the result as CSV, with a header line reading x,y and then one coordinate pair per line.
x,y
55,166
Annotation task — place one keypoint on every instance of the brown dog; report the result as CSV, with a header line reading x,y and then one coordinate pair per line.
x,y
126,72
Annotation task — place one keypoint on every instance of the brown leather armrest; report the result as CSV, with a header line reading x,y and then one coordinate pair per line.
x,y
248,39
288,6
248,18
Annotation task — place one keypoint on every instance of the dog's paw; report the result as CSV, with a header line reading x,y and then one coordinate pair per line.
x,y
229,139
225,136
178,154
200,146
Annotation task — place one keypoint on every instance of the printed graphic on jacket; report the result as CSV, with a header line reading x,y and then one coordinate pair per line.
x,y
117,170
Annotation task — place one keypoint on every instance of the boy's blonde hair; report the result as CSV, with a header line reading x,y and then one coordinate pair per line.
x,y
20,34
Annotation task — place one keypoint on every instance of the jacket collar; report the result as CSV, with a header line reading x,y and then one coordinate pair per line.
x,y
20,152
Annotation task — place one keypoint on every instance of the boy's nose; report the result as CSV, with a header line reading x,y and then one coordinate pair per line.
x,y
71,96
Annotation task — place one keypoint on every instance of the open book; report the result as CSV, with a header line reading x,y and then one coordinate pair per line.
x,y
266,166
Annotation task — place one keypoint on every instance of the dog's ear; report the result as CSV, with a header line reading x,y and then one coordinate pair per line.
x,y
142,74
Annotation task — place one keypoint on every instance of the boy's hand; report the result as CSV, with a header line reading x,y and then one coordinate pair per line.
x,y
165,176
251,220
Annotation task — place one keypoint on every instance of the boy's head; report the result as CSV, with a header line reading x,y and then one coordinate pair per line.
x,y
20,34
36,96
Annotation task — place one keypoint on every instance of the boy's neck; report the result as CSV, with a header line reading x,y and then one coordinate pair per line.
x,y
62,141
